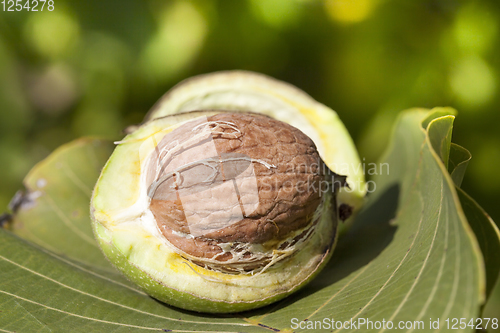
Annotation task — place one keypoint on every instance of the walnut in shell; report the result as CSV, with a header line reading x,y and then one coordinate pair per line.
x,y
217,211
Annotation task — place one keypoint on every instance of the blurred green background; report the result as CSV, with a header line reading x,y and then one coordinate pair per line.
x,y
94,67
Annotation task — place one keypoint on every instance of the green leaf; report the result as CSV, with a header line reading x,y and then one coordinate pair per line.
x,y
39,292
434,114
54,210
484,228
440,136
459,160
487,235
412,255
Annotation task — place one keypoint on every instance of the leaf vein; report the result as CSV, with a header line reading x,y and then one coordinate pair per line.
x,y
338,292
77,181
91,272
114,303
424,264
456,279
99,320
439,275
68,223
391,276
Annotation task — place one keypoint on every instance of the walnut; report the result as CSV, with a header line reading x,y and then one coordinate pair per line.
x,y
218,202
235,179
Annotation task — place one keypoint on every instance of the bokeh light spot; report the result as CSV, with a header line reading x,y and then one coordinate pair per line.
x,y
54,90
475,29
106,60
52,34
276,13
180,36
473,82
349,11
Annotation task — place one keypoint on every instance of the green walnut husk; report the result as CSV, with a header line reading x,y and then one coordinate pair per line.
x,y
129,234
